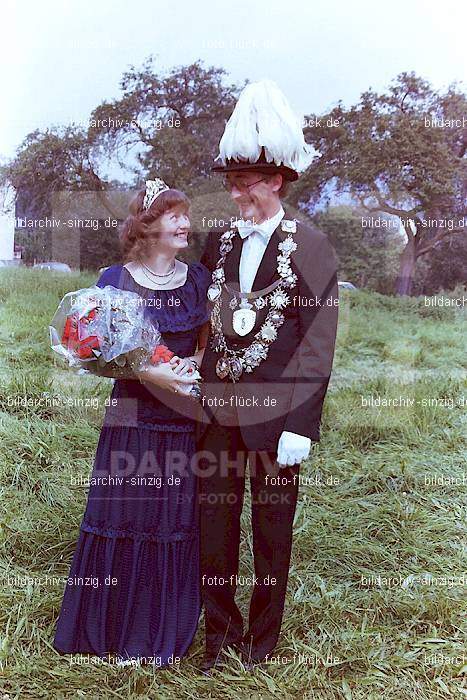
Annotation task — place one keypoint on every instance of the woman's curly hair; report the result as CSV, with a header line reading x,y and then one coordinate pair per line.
x,y
135,235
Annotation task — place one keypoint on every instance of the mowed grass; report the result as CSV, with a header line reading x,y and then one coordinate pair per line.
x,y
376,599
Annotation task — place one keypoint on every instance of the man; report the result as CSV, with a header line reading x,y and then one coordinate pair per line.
x,y
266,370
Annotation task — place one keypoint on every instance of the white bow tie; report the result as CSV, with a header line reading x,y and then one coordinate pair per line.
x,y
245,227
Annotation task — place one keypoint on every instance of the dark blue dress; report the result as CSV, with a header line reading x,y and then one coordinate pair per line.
x,y
133,587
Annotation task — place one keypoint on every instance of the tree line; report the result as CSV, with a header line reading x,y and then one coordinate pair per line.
x,y
396,156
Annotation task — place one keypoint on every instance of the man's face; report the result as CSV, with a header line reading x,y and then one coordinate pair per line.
x,y
255,194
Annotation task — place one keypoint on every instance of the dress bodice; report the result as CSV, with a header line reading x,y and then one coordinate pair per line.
x,y
179,313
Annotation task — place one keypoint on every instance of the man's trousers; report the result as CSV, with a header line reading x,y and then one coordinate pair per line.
x,y
221,459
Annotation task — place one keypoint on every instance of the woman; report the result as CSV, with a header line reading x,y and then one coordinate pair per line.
x,y
139,534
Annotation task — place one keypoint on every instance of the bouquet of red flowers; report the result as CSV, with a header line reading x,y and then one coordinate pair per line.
x,y
104,331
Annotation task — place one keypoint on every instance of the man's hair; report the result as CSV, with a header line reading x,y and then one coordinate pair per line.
x,y
285,184
284,188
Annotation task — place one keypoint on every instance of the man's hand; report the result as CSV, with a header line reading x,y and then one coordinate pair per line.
x,y
292,449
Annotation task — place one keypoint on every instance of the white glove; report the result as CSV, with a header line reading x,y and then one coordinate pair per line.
x,y
292,449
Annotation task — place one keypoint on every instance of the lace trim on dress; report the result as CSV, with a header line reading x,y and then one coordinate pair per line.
x,y
112,420
179,536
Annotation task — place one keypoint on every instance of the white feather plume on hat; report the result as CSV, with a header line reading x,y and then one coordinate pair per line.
x,y
263,118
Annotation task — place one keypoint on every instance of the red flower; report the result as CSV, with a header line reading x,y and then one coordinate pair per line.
x,y
161,353
75,337
86,347
66,331
70,332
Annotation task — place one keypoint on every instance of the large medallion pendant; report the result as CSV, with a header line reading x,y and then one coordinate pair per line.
x,y
214,291
243,321
222,367
231,368
236,368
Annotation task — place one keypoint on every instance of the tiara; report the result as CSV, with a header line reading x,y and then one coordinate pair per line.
x,y
153,190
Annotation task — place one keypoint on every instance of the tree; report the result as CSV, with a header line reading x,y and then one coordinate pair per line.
x,y
65,160
58,159
57,163
401,153
446,267
173,122
366,256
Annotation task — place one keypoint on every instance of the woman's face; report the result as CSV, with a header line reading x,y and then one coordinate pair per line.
x,y
173,228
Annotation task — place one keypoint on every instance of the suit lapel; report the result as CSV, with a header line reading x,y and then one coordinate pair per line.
x,y
267,271
232,263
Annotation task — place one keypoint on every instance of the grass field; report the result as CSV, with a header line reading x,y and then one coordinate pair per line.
x,y
376,600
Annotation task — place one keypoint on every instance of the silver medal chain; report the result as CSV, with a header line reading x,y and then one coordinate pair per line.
x,y
233,363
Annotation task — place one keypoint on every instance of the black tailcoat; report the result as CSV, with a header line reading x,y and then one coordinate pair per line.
x,y
286,391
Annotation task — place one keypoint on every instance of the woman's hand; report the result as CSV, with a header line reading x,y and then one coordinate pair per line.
x,y
163,376
181,365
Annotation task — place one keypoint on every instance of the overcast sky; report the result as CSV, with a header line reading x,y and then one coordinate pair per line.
x,y
61,58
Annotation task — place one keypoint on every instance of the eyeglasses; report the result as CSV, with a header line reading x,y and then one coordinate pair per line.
x,y
241,187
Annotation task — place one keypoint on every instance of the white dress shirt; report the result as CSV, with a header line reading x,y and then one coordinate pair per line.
x,y
292,448
256,238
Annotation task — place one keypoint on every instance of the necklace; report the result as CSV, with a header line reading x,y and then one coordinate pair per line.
x,y
156,274
145,269
234,362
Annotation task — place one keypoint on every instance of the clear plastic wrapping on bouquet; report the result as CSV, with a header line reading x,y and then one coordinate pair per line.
x,y
104,331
